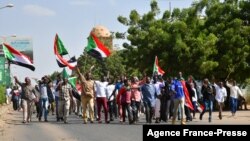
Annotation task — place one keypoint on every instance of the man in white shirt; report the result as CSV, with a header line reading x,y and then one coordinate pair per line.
x,y
8,94
234,94
221,94
110,98
101,98
44,101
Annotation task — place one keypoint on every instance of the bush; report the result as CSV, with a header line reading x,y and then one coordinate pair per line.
x,y
2,94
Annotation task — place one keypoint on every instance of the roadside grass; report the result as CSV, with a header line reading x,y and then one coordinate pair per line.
x,y
2,94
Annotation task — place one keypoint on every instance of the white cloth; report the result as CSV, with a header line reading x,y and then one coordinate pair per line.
x,y
221,93
55,87
157,107
8,90
109,90
234,91
43,91
158,86
100,88
194,98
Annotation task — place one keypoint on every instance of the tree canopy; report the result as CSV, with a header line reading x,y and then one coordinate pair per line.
x,y
210,38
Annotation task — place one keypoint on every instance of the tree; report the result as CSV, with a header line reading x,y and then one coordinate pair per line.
x,y
217,44
228,22
113,64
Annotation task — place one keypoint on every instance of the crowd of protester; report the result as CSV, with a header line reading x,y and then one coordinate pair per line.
x,y
125,99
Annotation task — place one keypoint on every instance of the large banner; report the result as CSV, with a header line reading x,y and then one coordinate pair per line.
x,y
23,44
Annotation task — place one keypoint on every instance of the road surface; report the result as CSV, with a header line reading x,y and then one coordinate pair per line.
x,y
12,128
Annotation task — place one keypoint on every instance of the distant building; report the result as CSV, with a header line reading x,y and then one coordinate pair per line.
x,y
104,35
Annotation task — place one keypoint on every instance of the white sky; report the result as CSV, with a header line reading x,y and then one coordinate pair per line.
x,y
71,19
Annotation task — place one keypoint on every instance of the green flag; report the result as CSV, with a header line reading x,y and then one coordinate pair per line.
x,y
65,74
96,48
7,53
60,47
72,81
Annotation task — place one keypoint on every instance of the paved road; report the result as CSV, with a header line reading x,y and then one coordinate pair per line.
x,y
12,128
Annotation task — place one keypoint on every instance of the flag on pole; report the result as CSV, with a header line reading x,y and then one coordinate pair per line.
x,y
157,70
59,51
188,101
96,48
16,57
65,74
200,107
72,81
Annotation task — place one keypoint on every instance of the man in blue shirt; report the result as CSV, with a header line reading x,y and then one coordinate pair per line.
x,y
179,99
149,96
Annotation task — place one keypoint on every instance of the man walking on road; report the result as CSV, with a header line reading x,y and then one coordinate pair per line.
x,y
28,96
235,92
65,95
87,96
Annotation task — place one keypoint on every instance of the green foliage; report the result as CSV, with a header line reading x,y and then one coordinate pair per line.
x,y
2,94
217,44
113,64
54,75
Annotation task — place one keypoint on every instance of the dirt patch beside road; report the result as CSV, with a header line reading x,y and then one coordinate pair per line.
x,y
4,110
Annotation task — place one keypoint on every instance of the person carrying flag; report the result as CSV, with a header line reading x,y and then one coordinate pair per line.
x,y
87,95
28,97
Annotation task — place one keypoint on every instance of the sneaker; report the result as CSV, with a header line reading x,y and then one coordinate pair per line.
x,y
91,121
24,122
183,123
46,120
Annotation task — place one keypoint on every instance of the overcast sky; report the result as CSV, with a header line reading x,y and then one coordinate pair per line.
x,y
71,19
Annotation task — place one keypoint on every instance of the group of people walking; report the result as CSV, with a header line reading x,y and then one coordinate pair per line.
x,y
160,100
